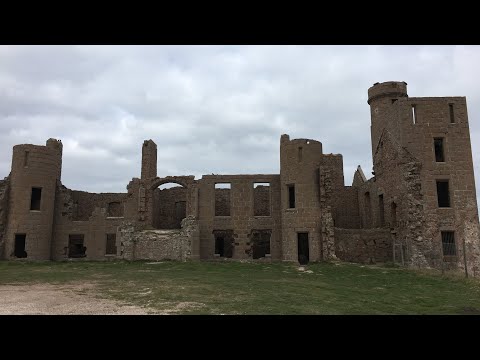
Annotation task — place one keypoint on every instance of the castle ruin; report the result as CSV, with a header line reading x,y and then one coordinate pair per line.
x,y
419,208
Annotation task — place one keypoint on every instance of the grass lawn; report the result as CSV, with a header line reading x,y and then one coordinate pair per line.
x,y
260,288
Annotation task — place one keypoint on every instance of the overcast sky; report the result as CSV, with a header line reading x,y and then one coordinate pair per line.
x,y
211,109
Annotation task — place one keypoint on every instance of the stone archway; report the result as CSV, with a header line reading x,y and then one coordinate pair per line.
x,y
170,206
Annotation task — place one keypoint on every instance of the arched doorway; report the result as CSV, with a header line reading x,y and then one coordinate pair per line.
x,y
169,205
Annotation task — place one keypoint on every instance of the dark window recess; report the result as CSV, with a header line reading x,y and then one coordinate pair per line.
x,y
303,249
261,199
439,150
381,210
394,100
443,193
300,154
291,196
393,214
19,250
448,243
35,199
260,244
180,213
75,246
25,162
414,115
452,115
115,209
222,199
223,243
220,246
111,246
368,210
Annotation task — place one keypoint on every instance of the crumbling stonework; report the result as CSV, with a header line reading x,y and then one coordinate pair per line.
x,y
80,205
366,246
419,206
158,244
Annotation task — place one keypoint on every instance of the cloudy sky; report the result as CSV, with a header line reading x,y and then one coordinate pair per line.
x,y
211,109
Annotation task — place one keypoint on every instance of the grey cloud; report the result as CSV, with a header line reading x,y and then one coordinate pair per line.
x,y
211,109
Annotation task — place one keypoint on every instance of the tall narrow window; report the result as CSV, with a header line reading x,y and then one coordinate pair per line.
x,y
25,160
414,115
368,210
443,193
300,154
393,215
35,199
439,150
381,210
452,116
448,243
291,196
261,199
222,199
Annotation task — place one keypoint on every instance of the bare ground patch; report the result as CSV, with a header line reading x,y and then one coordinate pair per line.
x,y
65,299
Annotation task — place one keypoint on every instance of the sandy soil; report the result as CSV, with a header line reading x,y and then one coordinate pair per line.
x,y
67,299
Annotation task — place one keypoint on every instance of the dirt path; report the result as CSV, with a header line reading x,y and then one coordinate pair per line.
x,y
67,299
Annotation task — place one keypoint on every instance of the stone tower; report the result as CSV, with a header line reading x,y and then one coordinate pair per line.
x,y
34,176
300,198
422,156
381,97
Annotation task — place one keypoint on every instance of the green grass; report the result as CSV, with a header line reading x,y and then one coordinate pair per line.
x,y
259,288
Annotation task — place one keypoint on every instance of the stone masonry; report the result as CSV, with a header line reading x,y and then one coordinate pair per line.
x,y
420,205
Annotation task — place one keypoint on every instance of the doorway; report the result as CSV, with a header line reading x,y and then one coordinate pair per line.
x,y
223,243
75,246
19,251
303,250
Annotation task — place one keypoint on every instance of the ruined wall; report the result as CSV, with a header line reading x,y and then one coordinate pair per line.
x,y
135,202
84,203
347,215
405,174
332,192
366,246
87,214
369,205
242,220
299,163
142,202
397,179
166,214
38,167
4,191
173,244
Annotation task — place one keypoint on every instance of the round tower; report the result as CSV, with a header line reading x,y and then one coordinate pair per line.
x,y
34,175
300,199
383,100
